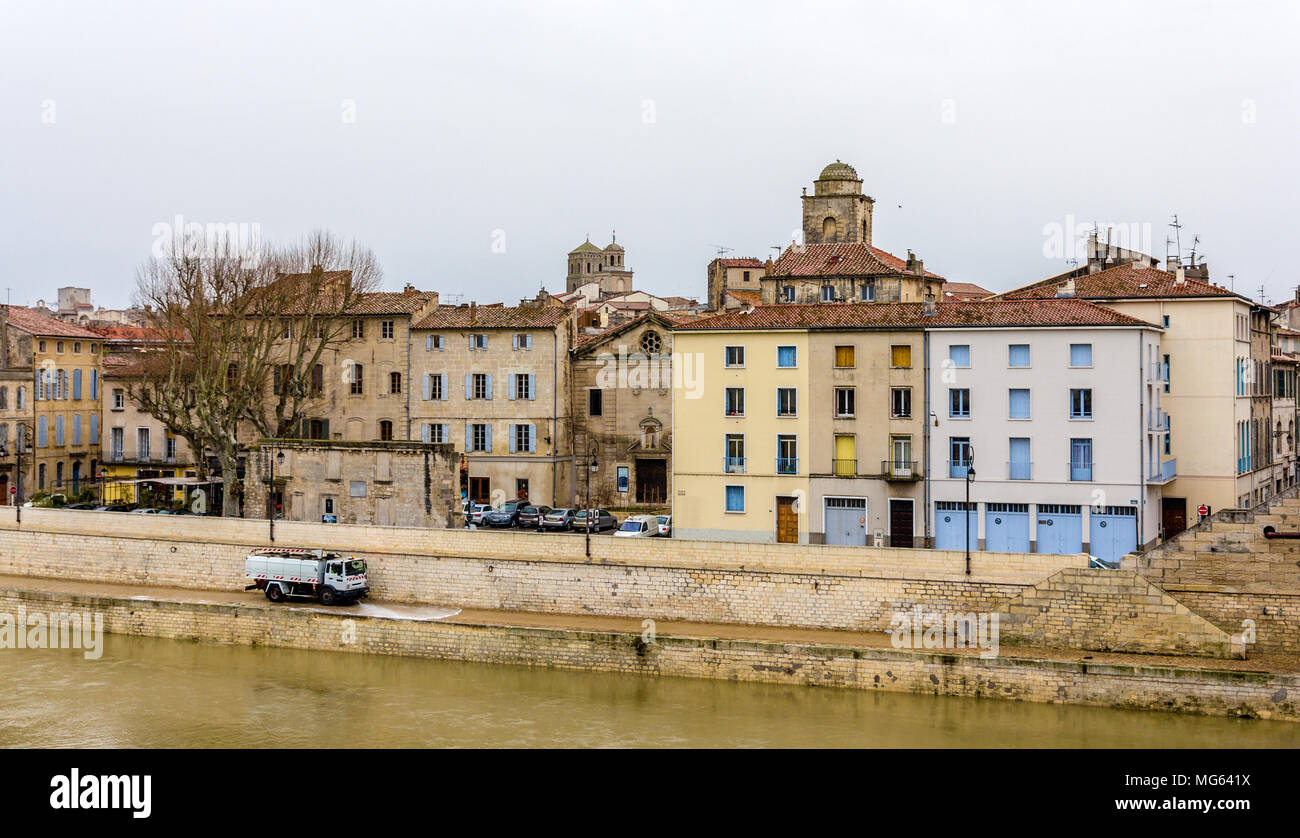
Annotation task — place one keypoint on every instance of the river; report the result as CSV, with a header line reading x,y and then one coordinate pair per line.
x,y
157,693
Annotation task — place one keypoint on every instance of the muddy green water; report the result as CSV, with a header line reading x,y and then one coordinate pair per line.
x,y
158,693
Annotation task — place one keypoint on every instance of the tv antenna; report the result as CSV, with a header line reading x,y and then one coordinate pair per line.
x,y
1195,241
1232,282
1178,238
722,251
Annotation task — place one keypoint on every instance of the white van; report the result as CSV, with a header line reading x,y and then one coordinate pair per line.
x,y
638,526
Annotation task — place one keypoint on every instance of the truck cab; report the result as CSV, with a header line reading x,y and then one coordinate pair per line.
x,y
283,572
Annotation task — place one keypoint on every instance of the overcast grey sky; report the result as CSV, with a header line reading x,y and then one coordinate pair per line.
x,y
682,125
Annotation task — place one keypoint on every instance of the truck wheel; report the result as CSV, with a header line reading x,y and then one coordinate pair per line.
x,y
327,596
274,593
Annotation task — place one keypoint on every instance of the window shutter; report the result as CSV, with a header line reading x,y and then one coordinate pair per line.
x,y
469,437
512,430
528,341
76,384
424,432
471,343
94,384
469,385
444,387
489,439
511,383
94,429
532,439
489,386
427,385
41,432
532,386
514,342
58,429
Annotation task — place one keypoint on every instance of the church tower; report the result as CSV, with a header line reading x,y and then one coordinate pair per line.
x,y
837,211
591,263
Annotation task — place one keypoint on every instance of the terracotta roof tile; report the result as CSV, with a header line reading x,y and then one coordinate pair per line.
x,y
391,302
35,323
844,259
1129,280
1000,313
494,317
743,262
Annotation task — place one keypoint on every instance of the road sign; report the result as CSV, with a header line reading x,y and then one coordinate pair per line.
x,y
13,490
1202,510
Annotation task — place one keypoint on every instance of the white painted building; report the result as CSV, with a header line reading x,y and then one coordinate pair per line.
x,y
1068,441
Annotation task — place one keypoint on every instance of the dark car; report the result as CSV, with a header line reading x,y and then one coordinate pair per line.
x,y
558,519
531,516
504,515
114,507
601,519
80,506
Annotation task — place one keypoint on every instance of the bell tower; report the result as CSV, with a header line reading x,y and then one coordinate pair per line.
x,y
837,211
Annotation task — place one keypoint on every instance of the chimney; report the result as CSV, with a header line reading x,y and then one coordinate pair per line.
x,y
928,307
1180,277
408,288
1065,289
473,311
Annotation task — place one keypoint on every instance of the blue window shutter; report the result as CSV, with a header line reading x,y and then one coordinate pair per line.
x,y
532,386
471,343
469,386
489,386
510,429
94,384
76,429
424,432
424,386
58,430
960,355
444,386
510,390
514,341
41,432
1018,355
94,429
469,437
532,439
1019,404
446,432
489,439
76,384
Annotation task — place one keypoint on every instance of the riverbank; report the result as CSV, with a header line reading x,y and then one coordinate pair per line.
x,y
1266,686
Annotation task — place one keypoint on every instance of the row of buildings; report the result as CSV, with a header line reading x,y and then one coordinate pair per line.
x,y
835,394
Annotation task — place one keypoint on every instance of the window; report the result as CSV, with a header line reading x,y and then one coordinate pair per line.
x,y
117,443
522,439
119,399
171,446
1164,321
735,498
651,342
900,356
735,356
479,385
1081,459
1019,408
959,354
142,443
1169,435
845,401
828,293
786,356
787,454
40,346
959,452
845,463
1081,354
21,401
394,382
4,398
735,401
1164,373
959,403
900,451
1081,404
76,346
523,388
435,386
787,293
355,385
521,341
900,402
595,402
867,292
386,329
844,356
58,347
358,329
478,341
479,437
1018,355
787,401
432,342
734,461
317,379
1018,467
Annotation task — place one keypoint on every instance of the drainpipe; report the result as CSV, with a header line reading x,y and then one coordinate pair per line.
x,y
555,407
1143,409
925,420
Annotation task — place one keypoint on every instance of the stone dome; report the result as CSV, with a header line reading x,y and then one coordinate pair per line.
x,y
614,246
839,171
586,247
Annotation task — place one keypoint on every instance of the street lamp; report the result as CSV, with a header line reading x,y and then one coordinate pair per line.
x,y
587,512
270,492
19,444
970,477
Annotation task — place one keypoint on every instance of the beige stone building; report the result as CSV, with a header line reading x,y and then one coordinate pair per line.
x,y
135,445
494,382
60,407
837,262
391,484
607,265
622,383
726,276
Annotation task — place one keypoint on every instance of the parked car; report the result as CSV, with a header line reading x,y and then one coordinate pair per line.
x,y
601,519
474,513
558,519
1099,563
173,512
665,523
531,516
113,507
145,510
80,506
638,526
504,515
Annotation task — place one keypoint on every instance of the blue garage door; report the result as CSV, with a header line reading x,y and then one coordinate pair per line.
x,y
1006,527
948,519
1113,532
1060,528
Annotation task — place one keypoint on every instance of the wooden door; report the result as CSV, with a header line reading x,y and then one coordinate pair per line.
x,y
900,523
1173,519
787,521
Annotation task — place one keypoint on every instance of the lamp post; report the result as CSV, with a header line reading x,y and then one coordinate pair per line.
x,y
19,444
591,469
970,477
277,457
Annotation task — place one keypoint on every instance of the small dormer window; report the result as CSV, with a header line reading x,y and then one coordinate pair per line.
x,y
828,293
787,292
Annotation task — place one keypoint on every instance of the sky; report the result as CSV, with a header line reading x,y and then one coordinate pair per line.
x,y
472,145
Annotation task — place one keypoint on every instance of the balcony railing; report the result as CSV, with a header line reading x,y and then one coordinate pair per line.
x,y
1081,472
1020,471
900,469
733,465
958,468
1166,471
787,465
844,468
1156,420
